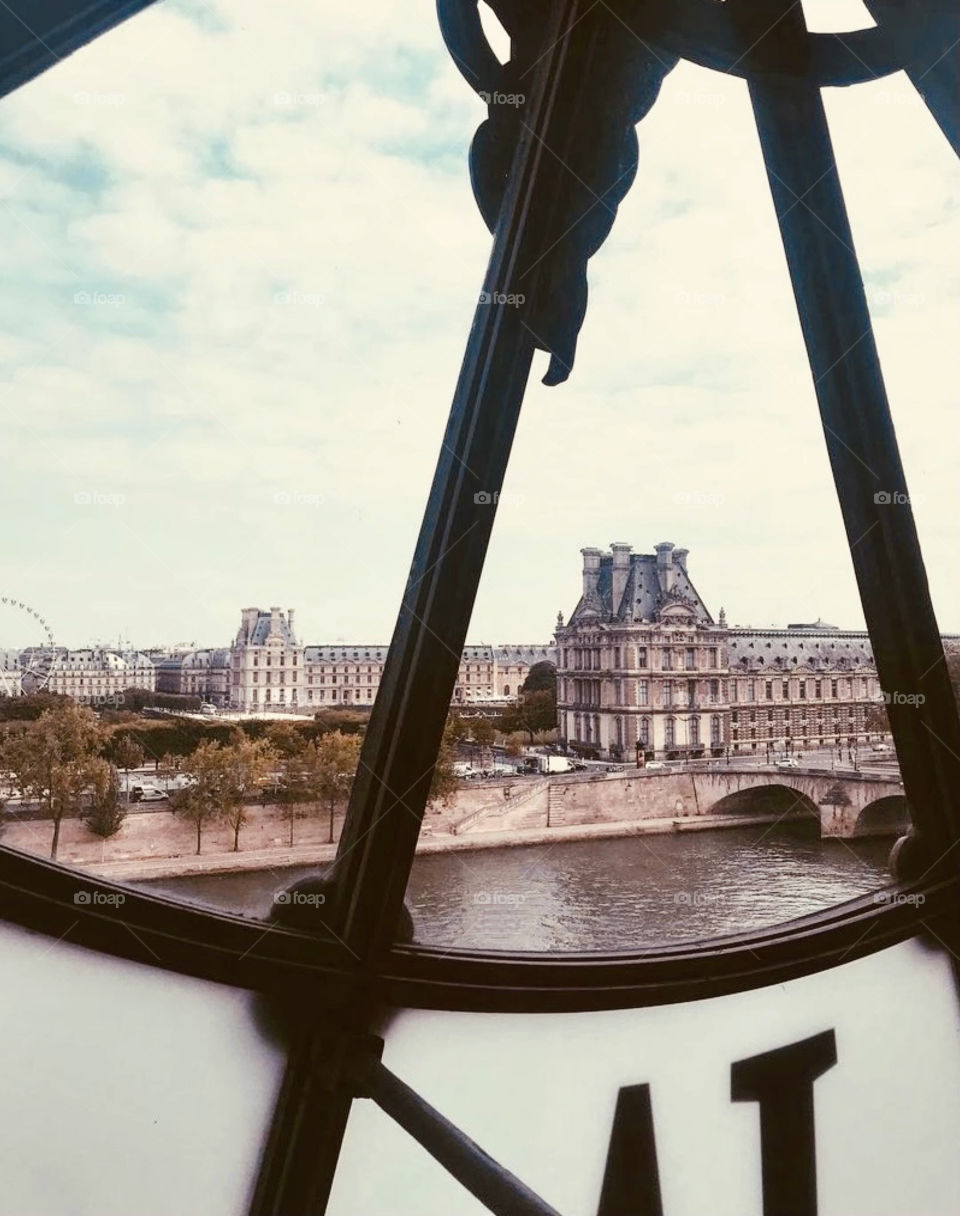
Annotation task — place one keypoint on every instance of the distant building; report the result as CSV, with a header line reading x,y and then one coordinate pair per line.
x,y
265,661
197,673
642,662
269,669
97,676
644,667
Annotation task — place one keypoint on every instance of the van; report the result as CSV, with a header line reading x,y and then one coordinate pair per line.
x,y
146,793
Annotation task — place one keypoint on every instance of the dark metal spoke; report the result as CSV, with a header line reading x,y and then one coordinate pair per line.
x,y
859,434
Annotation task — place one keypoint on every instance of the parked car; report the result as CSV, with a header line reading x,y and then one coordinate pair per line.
x,y
788,762
147,793
656,766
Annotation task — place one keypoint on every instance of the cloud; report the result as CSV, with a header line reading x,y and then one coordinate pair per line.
x,y
245,264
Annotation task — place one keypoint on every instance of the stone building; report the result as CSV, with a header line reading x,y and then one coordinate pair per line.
x,y
197,673
266,661
644,668
269,669
805,686
641,661
344,675
98,676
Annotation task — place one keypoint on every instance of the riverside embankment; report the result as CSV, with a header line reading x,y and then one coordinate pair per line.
x,y
156,844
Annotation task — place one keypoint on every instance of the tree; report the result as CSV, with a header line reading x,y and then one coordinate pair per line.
x,y
542,677
52,761
106,812
484,735
535,711
444,783
125,752
248,765
285,738
204,799
336,766
30,706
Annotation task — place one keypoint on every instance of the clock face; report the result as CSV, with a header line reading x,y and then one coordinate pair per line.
x,y
820,1095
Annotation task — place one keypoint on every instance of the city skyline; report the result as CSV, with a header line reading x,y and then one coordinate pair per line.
x,y
196,431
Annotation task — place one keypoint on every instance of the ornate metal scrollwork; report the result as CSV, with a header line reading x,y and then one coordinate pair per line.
x,y
619,81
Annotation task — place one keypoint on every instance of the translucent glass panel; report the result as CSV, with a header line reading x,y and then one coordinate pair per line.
x,y
126,1089
538,1092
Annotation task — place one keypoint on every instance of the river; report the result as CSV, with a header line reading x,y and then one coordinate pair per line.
x,y
603,894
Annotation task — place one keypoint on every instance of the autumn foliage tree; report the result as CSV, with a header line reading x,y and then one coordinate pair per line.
x,y
54,761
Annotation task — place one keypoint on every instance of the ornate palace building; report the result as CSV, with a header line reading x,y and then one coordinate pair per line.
x,y
270,669
643,669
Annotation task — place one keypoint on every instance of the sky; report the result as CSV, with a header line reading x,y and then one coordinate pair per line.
x,y
240,262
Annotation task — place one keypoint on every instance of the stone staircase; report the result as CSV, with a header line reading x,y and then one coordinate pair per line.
x,y
528,809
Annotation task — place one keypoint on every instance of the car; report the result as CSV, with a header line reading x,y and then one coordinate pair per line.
x,y
788,762
147,793
656,766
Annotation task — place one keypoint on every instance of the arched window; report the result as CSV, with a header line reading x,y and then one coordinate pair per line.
x,y
506,690
670,732
716,733
694,731
645,731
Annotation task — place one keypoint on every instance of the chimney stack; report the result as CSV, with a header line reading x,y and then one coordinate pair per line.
x,y
619,574
591,576
248,619
680,559
290,625
665,571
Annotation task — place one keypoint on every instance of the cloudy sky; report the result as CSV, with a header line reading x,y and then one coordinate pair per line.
x,y
240,261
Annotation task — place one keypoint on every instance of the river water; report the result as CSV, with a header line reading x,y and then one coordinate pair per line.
x,y
603,894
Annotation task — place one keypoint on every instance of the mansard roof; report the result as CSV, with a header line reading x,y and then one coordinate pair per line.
x,y
643,598
525,653
375,652
828,649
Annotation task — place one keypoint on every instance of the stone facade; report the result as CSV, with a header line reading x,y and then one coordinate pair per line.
x,y
644,669
270,669
98,676
196,673
266,661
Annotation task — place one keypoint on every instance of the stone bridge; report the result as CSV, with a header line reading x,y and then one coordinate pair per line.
x,y
845,804
852,804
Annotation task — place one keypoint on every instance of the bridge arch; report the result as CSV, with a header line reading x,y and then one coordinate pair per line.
x,y
773,799
887,816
